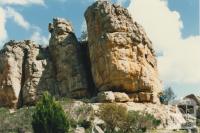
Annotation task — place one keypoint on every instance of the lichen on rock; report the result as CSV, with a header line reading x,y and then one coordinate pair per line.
x,y
118,59
23,77
122,57
64,49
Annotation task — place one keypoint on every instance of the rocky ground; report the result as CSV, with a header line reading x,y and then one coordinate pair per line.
x,y
116,64
21,119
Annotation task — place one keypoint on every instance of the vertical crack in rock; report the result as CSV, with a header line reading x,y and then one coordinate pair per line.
x,y
85,58
118,57
63,46
23,77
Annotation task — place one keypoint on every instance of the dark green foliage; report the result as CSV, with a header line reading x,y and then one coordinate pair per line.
x,y
167,96
119,120
49,116
86,124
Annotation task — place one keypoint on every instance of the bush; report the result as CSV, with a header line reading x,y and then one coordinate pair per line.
x,y
49,116
140,122
119,120
113,115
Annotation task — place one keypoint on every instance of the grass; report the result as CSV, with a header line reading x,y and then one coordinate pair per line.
x,y
17,121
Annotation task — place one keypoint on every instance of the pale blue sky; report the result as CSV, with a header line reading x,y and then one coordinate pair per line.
x,y
74,11
38,16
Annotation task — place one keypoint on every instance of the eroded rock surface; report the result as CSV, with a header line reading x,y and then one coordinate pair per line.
x,y
122,57
117,61
24,73
65,54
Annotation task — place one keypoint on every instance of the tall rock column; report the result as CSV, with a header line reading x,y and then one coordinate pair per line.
x,y
122,57
11,60
64,50
25,72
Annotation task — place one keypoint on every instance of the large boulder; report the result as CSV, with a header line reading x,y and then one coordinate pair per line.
x,y
121,54
65,53
25,73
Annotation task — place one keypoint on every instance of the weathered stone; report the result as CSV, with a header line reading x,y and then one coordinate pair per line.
x,y
121,97
11,60
38,75
106,96
145,97
23,74
118,60
122,57
79,130
134,97
64,51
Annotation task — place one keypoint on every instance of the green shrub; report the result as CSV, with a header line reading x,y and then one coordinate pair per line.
x,y
119,120
49,116
140,122
113,115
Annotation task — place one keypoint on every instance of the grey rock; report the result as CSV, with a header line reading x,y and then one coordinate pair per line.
x,y
69,71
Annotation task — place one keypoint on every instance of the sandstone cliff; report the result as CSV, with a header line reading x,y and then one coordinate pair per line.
x,y
122,57
116,64
69,70
25,73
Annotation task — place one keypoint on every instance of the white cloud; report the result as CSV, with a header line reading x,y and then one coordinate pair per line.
x,y
83,26
180,62
8,12
17,17
38,38
22,2
3,32
121,2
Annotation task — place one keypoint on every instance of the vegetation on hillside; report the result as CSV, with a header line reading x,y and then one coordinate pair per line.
x,y
119,120
16,122
167,96
49,116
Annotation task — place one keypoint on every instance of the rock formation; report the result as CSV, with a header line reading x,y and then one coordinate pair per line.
x,y
64,49
121,55
118,57
25,73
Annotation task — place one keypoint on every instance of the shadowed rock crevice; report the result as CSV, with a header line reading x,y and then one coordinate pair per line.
x,y
23,78
64,49
118,60
85,59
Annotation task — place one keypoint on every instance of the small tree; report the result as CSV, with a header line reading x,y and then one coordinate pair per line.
x,y
139,122
114,116
167,96
49,116
119,120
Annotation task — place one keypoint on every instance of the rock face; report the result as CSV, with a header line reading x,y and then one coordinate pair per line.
x,y
24,73
117,61
121,55
65,53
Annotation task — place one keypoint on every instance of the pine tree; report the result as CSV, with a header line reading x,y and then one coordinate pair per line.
x,y
49,116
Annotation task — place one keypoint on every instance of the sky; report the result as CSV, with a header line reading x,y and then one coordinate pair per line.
x,y
172,25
